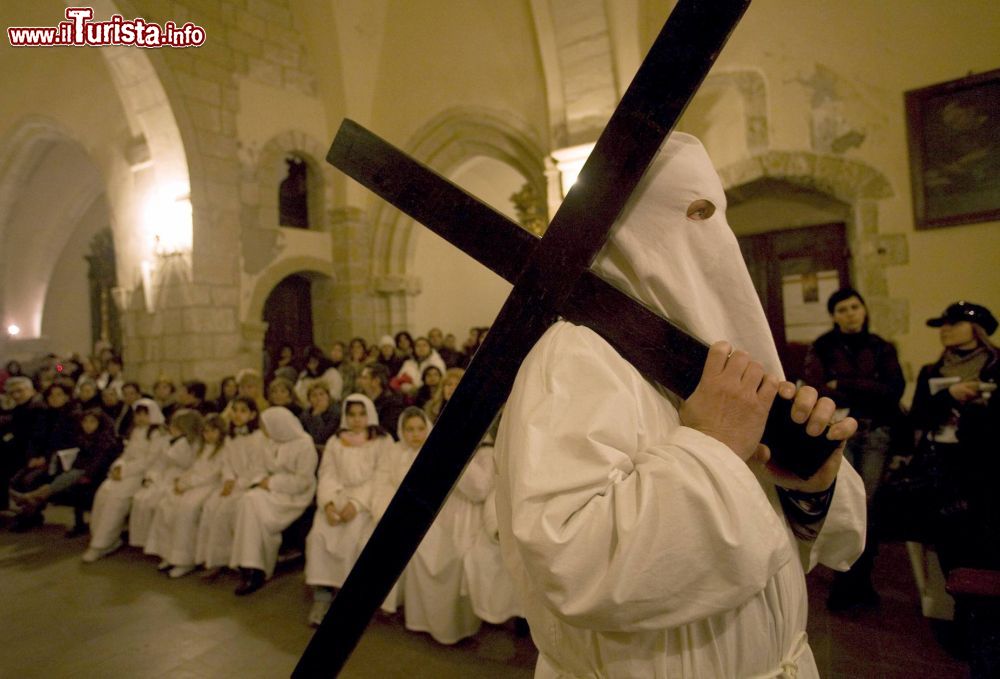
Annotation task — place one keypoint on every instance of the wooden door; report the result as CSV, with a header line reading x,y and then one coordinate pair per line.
x,y
288,314
795,271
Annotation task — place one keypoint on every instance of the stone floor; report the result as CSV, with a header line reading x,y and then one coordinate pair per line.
x,y
121,618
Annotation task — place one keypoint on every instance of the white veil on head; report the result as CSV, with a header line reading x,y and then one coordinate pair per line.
x,y
369,409
686,269
281,425
409,412
151,406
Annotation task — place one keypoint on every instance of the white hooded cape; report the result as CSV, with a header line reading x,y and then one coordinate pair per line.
x,y
261,514
639,547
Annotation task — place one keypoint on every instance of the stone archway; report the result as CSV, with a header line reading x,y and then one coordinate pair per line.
x,y
444,144
48,183
268,172
859,186
252,328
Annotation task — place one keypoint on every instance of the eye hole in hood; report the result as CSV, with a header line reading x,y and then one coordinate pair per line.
x,y
700,209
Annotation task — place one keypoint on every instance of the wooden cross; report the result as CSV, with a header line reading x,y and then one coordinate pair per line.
x,y
551,278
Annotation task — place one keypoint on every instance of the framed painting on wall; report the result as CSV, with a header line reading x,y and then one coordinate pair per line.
x,y
954,139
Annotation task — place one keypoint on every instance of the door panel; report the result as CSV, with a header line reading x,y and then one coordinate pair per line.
x,y
794,272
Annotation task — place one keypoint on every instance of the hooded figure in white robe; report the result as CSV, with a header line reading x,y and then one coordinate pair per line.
x,y
347,474
433,596
641,547
113,499
395,462
263,513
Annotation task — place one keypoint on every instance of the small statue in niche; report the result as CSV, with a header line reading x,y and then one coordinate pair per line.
x,y
293,195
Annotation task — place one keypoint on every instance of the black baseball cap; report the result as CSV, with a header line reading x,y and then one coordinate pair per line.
x,y
966,311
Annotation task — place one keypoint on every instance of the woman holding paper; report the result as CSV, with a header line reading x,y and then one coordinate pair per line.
x,y
956,415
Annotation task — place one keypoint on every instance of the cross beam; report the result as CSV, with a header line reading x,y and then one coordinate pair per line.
x,y
678,61
499,244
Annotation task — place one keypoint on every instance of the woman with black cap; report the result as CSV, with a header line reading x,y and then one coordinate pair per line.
x,y
956,421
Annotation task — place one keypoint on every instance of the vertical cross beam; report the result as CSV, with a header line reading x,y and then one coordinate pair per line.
x,y
678,61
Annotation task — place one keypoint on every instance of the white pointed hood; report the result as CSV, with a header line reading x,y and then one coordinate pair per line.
x,y
281,425
689,271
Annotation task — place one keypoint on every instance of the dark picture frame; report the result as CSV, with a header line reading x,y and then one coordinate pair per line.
x,y
953,129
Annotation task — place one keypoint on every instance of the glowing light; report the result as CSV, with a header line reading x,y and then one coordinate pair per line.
x,y
13,330
168,221
569,162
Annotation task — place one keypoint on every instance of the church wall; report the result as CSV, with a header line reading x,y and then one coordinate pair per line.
x,y
56,149
443,54
835,74
66,314
456,292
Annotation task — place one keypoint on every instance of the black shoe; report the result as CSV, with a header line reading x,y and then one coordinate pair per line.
x,y
253,579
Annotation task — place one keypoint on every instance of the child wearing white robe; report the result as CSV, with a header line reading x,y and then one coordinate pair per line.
x,y
413,428
286,488
185,432
347,481
432,589
173,534
487,584
113,499
242,465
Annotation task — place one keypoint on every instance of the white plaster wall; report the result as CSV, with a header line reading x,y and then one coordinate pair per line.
x,y
456,291
845,65
66,314
442,54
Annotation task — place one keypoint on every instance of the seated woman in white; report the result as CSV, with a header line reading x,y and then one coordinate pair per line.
x,y
344,496
185,431
424,355
113,500
242,465
284,490
413,428
487,584
173,534
432,587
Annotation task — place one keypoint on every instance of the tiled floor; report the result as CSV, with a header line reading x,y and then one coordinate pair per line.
x,y
121,618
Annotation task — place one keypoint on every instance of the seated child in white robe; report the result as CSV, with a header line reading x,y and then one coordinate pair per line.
x,y
185,431
344,496
487,584
413,428
285,490
175,523
113,500
432,587
242,465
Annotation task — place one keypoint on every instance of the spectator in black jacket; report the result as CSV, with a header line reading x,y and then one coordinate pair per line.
x,y
17,426
859,370
55,429
74,483
956,415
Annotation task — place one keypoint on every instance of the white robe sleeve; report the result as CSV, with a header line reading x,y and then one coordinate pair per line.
x,y
329,487
297,474
842,537
615,536
477,481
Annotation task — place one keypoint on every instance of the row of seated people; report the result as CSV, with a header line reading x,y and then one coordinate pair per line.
x,y
218,491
